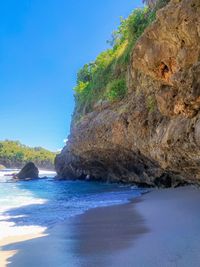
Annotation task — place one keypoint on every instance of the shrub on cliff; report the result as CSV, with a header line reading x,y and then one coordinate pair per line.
x,y
105,77
116,89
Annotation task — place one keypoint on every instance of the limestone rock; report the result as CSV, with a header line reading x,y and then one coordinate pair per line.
x,y
153,135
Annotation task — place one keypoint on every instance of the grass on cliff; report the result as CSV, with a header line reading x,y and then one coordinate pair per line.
x,y
105,78
14,154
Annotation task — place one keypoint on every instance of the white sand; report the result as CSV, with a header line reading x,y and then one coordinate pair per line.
x,y
172,217
160,229
6,256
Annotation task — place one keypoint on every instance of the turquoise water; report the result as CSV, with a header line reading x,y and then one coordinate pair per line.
x,y
46,202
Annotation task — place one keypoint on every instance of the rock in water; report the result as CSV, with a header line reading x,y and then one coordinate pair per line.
x,y
29,171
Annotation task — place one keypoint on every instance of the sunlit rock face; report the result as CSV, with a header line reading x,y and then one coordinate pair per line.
x,y
153,135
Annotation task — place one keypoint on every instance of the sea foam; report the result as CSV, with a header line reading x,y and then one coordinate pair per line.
x,y
31,207
12,197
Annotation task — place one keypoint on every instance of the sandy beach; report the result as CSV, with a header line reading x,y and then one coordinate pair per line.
x,y
6,255
160,228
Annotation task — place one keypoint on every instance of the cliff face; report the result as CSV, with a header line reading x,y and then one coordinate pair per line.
x,y
153,135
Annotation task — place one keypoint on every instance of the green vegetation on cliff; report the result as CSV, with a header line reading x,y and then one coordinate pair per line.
x,y
14,154
105,78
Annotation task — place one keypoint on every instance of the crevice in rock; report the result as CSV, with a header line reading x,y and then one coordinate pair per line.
x,y
164,69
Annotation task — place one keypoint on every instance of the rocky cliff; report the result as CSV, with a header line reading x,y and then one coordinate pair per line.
x,y
152,136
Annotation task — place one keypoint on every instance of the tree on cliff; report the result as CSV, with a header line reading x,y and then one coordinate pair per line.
x,y
15,154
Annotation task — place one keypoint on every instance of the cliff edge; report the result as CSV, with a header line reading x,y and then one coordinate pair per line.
x,y
151,136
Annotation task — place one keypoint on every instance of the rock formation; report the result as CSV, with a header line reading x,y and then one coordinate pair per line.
x,y
28,172
153,135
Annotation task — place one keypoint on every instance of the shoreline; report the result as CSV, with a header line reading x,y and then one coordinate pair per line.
x,y
6,255
160,228
11,242
68,229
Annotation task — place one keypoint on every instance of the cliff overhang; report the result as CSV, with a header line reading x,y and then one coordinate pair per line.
x,y
152,136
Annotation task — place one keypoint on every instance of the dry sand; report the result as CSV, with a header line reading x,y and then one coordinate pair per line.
x,y
5,256
160,229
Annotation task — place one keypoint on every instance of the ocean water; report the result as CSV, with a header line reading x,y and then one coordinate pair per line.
x,y
31,207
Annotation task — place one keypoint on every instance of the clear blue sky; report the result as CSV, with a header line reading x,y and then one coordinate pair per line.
x,y
43,43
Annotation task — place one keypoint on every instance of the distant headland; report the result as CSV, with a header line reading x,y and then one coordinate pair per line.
x,y
13,154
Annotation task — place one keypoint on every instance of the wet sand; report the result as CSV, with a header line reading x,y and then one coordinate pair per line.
x,y
161,229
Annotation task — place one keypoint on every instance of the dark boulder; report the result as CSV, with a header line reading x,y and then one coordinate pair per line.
x,y
28,172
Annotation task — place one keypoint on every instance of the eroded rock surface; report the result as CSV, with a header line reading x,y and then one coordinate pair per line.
x,y
153,135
